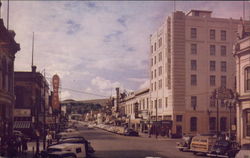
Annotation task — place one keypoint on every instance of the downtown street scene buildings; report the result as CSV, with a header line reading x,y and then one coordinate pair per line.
x,y
199,84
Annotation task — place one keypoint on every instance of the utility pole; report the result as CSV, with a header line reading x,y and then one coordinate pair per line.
x,y
156,114
44,112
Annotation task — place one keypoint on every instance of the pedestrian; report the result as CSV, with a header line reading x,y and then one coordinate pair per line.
x,y
227,137
24,145
49,139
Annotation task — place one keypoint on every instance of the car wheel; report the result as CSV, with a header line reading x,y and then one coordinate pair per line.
x,y
194,153
180,149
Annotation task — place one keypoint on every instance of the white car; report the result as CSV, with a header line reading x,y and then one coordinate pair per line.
x,y
244,151
76,148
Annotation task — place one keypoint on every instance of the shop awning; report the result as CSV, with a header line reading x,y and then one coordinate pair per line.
x,y
21,124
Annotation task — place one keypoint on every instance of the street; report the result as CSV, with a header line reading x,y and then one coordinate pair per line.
x,y
110,145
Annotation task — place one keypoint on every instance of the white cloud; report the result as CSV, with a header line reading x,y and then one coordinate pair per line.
x,y
104,84
144,85
65,95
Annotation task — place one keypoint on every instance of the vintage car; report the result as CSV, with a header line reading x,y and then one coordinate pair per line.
x,y
78,139
61,154
130,132
224,148
184,145
202,144
76,149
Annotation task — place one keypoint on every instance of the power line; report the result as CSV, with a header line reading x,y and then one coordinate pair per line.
x,y
83,92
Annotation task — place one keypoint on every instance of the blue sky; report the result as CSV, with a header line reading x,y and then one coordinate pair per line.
x,y
95,46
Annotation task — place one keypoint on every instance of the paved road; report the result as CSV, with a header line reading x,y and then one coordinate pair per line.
x,y
110,145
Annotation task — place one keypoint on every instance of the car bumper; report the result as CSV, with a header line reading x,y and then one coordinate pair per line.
x,y
217,155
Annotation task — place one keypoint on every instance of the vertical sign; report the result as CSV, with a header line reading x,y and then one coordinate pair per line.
x,y
55,97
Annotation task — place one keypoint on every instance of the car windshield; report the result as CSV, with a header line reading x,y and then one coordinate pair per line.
x,y
222,143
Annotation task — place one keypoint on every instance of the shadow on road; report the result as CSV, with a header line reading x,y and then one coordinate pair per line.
x,y
128,154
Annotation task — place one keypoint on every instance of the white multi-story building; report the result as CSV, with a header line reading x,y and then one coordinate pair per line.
x,y
191,55
242,56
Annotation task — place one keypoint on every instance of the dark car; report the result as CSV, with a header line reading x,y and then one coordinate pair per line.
x,y
224,148
184,145
130,132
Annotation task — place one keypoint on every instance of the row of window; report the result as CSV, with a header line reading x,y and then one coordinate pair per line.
x,y
154,47
212,65
154,60
158,103
154,73
212,34
212,124
212,49
154,85
212,80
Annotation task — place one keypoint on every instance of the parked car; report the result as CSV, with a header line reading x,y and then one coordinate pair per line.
x,y
224,148
130,132
202,144
78,139
244,152
76,149
61,154
184,145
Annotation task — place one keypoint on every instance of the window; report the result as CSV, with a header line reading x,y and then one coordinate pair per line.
x,y
196,13
160,42
160,103
212,34
247,79
223,81
212,123
223,66
193,124
155,59
194,102
152,48
212,66
222,103
212,80
160,70
160,56
223,50
193,80
152,74
223,124
156,104
212,50
155,85
152,86
247,123
193,48
78,150
166,100
223,35
193,33
155,73
193,65
155,47
152,62
178,118
160,83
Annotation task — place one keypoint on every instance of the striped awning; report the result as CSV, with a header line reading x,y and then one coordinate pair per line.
x,y
21,124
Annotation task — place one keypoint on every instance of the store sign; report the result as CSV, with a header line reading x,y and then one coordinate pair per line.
x,y
22,112
55,97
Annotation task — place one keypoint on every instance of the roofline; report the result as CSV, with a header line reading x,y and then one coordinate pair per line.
x,y
205,11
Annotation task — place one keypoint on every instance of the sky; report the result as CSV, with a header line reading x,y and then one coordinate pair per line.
x,y
96,46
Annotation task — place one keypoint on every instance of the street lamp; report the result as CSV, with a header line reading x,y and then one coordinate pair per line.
x,y
230,103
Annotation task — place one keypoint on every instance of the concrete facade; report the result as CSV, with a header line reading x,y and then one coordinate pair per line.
x,y
8,49
191,55
242,56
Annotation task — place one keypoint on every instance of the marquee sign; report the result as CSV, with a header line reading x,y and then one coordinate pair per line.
x,y
55,97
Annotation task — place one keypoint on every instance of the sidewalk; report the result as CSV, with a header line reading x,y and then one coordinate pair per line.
x,y
159,137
